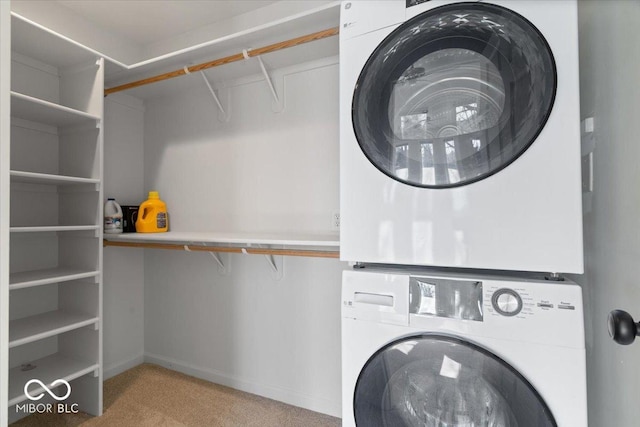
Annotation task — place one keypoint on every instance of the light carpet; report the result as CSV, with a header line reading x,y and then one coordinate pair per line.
x,y
149,395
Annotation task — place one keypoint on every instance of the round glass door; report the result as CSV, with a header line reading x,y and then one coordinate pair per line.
x,y
454,95
438,381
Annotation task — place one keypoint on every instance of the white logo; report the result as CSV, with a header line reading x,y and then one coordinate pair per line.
x,y
47,389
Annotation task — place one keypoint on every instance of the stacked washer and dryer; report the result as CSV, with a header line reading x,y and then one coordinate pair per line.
x,y
461,208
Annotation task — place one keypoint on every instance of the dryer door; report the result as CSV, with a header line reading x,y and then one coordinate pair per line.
x,y
454,95
437,381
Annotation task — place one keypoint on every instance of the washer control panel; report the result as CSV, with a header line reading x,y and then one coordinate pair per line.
x,y
513,300
506,302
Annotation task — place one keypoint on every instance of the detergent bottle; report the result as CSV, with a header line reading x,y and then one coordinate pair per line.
x,y
112,217
152,215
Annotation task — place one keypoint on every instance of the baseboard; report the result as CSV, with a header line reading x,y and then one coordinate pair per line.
x,y
118,368
290,397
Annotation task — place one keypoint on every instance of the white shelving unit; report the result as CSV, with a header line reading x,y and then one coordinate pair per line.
x,y
55,272
5,124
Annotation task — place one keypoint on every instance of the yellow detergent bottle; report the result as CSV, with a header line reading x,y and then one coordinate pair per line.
x,y
152,215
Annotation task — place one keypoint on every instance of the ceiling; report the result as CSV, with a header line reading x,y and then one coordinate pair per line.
x,y
146,21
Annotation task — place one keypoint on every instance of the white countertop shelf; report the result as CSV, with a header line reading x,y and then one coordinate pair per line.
x,y
48,369
49,179
34,328
38,110
242,239
27,279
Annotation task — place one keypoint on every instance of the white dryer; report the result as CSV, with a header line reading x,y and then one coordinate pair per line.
x,y
420,349
460,134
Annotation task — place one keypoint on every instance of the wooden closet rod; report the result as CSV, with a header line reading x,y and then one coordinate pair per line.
x,y
227,60
252,251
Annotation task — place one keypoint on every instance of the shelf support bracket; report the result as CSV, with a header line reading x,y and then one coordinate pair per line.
x,y
276,264
278,105
224,116
224,266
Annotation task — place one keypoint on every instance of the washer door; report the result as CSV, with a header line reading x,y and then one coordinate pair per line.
x,y
437,381
454,95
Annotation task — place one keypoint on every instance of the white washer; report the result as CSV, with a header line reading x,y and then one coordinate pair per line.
x,y
460,134
459,350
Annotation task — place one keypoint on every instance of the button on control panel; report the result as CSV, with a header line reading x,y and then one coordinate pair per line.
x,y
506,302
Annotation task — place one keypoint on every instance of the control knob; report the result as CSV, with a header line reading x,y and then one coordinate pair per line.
x,y
506,302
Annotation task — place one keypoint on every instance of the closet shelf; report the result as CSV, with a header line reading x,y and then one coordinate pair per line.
x,y
34,328
50,228
36,41
241,56
44,178
38,110
326,246
27,279
230,238
47,370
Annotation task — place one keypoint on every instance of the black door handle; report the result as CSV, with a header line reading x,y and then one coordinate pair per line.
x,y
621,327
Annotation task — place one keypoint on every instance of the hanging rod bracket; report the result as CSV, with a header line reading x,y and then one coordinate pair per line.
x,y
278,103
223,116
223,261
275,262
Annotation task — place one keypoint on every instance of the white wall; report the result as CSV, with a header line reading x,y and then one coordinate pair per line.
x,y
610,65
279,339
260,172
123,290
